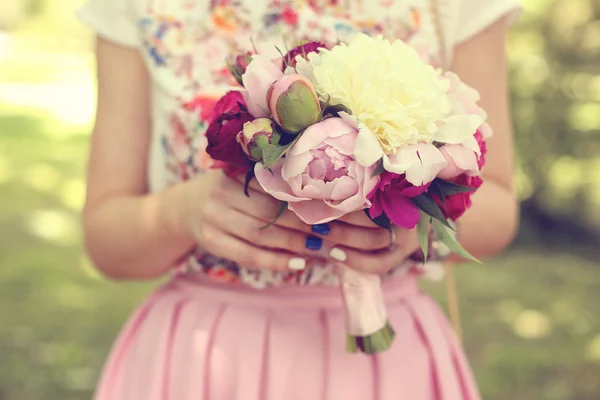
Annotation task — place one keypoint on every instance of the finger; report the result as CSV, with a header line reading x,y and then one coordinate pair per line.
x,y
264,207
226,246
249,229
259,205
358,218
378,262
359,238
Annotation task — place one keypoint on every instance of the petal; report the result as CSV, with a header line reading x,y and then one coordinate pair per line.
x,y
431,163
273,183
472,144
344,188
401,211
367,150
315,134
458,128
295,165
464,158
315,212
376,208
257,79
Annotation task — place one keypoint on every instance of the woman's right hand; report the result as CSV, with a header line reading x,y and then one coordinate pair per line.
x,y
227,223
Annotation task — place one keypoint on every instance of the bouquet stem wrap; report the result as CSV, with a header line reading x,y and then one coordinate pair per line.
x,y
369,330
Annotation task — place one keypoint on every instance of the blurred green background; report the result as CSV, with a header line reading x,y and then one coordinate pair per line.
x,y
531,318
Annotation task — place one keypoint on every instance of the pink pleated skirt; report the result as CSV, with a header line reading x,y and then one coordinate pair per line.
x,y
196,340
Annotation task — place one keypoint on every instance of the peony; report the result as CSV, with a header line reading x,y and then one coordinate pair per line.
x,y
256,135
392,197
232,101
396,95
320,177
223,131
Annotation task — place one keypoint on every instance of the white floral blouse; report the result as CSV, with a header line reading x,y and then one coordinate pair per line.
x,y
185,44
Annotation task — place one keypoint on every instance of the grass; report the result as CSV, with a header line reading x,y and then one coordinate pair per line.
x,y
531,318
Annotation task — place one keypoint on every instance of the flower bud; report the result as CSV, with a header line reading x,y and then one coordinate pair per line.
x,y
293,103
238,66
256,135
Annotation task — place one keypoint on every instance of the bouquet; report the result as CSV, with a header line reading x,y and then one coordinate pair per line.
x,y
365,125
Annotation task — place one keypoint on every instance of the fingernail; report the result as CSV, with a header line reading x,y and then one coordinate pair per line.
x,y
321,229
314,243
297,264
338,254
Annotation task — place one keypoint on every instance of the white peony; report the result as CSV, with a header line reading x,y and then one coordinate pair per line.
x,y
387,86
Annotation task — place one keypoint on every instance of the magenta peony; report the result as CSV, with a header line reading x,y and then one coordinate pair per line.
x,y
392,196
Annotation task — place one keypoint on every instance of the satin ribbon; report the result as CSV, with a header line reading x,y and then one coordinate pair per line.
x,y
365,305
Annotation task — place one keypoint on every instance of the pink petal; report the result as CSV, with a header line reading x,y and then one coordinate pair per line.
x,y
315,212
343,188
295,165
343,143
460,160
274,184
257,79
315,134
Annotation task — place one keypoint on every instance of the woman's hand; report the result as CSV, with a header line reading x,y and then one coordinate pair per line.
x,y
227,223
402,243
353,239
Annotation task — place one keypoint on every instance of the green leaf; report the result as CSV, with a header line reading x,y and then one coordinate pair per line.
x,y
273,153
423,234
448,238
434,189
382,221
282,207
429,207
448,188
249,177
379,169
269,153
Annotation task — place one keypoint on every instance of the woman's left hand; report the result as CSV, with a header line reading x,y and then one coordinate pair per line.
x,y
401,244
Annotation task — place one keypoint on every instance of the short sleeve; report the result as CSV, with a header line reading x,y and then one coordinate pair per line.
x,y
476,15
112,20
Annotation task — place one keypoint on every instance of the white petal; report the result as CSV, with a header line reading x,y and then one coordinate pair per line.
x,y
458,128
421,162
367,149
431,162
471,144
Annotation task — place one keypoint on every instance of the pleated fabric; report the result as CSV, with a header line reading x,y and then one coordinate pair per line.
x,y
196,340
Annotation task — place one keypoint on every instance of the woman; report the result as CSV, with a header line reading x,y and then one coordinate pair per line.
x,y
209,333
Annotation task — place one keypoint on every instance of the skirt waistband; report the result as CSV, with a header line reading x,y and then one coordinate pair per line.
x,y
298,297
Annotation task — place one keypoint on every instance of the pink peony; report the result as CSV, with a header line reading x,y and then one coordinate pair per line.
x,y
392,197
319,177
462,160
